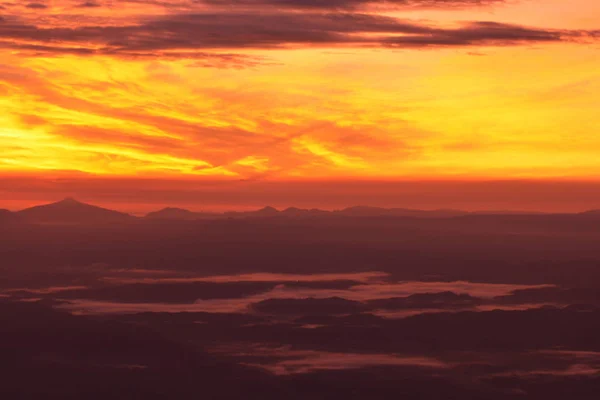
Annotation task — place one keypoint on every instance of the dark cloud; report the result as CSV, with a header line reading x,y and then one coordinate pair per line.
x,y
350,4
89,4
183,35
473,33
38,6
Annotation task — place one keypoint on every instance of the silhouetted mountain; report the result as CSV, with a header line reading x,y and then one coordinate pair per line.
x,y
267,211
181,214
595,213
71,211
507,212
300,212
7,216
174,213
365,211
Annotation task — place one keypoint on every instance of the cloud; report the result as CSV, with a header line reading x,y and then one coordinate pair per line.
x,y
353,4
89,4
196,35
36,6
317,5
116,85
306,361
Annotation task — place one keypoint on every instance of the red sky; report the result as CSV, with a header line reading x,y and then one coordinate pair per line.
x,y
239,103
140,196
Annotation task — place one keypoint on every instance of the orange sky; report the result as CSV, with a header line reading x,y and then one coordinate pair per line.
x,y
299,90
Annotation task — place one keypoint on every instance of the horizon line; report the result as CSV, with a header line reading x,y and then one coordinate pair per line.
x,y
324,209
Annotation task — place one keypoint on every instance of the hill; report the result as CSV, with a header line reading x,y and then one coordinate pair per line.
x,y
365,211
173,213
71,211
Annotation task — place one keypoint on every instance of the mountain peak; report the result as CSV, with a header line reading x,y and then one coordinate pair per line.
x,y
69,200
268,210
70,210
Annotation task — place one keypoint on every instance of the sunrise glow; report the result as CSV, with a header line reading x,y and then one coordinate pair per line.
x,y
408,89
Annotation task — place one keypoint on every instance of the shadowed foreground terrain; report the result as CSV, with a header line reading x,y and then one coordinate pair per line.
x,y
305,305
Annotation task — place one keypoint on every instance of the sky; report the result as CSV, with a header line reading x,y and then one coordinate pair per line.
x,y
232,103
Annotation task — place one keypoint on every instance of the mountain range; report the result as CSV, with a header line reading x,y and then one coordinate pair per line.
x,y
71,211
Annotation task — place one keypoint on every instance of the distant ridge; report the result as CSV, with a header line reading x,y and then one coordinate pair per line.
x,y
591,212
171,213
71,211
299,212
7,216
267,211
398,212
174,213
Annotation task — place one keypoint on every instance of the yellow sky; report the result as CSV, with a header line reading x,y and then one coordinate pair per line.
x,y
93,92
